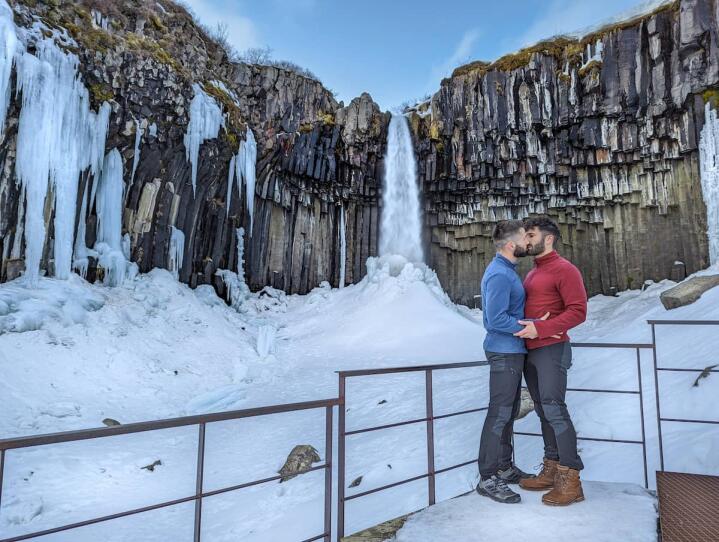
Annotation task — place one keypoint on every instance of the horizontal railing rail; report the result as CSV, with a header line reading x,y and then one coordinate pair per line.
x,y
200,420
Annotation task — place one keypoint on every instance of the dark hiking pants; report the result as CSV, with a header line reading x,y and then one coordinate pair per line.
x,y
546,375
505,381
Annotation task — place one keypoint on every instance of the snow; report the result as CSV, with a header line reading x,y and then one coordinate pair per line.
x,y
8,39
206,118
246,162
709,170
177,252
153,348
610,512
400,229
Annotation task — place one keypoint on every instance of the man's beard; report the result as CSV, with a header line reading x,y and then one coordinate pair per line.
x,y
536,249
520,251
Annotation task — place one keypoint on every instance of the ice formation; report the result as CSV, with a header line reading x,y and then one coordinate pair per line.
x,y
108,204
400,227
246,159
230,182
136,153
343,247
237,289
8,45
59,136
205,121
177,252
709,170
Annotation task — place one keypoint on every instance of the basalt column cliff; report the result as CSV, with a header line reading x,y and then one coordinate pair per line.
x,y
601,133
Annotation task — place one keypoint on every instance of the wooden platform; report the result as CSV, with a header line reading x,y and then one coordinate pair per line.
x,y
688,506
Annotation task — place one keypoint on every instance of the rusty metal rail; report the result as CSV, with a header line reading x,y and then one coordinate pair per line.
x,y
658,369
429,419
201,421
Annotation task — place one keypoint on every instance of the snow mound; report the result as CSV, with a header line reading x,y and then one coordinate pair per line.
x,y
26,307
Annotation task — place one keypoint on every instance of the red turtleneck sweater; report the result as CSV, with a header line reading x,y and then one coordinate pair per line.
x,y
555,285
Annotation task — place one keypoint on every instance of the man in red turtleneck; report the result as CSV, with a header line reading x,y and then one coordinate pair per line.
x,y
553,286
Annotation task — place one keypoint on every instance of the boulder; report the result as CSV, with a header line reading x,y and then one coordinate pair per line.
x,y
688,292
300,459
526,406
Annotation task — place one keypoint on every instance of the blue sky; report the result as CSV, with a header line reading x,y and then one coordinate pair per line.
x,y
398,50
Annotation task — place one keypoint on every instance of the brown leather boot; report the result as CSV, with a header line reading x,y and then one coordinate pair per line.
x,y
567,488
544,480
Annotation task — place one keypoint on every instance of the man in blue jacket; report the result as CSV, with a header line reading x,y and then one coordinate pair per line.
x,y
503,307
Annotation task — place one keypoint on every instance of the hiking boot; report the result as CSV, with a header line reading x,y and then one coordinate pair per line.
x,y
513,474
544,480
567,488
497,489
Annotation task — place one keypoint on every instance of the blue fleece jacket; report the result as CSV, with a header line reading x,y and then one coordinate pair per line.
x,y
502,306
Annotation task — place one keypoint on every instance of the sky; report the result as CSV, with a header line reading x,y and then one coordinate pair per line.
x,y
399,50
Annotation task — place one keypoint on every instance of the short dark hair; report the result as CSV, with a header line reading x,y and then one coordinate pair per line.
x,y
504,229
545,225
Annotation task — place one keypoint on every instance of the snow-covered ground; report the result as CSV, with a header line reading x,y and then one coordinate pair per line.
x,y
153,348
611,512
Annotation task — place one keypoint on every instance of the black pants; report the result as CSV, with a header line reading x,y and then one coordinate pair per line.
x,y
546,376
505,384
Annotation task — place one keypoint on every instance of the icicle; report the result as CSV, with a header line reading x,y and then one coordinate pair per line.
x,y
136,154
240,253
205,121
58,137
109,220
709,173
247,157
177,252
152,130
80,260
343,247
230,181
8,46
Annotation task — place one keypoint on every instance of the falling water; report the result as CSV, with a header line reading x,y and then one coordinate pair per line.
x,y
400,229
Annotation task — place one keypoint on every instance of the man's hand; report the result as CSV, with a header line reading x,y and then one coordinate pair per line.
x,y
530,330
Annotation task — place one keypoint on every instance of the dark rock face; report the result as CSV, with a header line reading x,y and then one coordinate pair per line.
x,y
315,157
606,147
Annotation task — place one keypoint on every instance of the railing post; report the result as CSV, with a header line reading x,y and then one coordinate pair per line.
x,y
198,484
656,392
328,474
641,417
430,436
2,471
341,460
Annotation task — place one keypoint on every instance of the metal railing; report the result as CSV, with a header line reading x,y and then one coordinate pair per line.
x,y
658,369
638,391
429,419
201,421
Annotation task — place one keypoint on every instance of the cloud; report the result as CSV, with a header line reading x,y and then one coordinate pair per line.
x,y
242,32
570,16
460,55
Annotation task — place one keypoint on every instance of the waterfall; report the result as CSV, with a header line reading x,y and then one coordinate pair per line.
x,y
400,227
709,169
